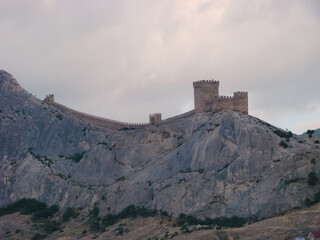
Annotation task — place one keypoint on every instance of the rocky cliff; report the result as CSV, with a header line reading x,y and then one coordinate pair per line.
x,y
206,165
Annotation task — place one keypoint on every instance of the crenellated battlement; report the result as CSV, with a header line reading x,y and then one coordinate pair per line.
x,y
240,94
205,82
49,98
206,99
225,97
155,118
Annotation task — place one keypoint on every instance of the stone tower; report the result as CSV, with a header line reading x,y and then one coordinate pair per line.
x,y
207,98
205,93
155,118
49,98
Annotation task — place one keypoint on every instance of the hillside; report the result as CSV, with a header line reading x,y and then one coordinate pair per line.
x,y
316,133
295,223
205,165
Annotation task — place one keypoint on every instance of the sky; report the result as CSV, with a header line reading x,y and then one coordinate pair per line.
x,y
125,59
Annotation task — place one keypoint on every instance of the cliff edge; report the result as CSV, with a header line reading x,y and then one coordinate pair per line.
x,y
206,165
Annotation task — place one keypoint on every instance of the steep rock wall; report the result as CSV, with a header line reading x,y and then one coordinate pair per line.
x,y
208,165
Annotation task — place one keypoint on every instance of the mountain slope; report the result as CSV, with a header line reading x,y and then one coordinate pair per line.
x,y
295,223
207,165
316,133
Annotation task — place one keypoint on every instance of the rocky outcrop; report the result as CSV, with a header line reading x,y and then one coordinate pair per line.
x,y
207,165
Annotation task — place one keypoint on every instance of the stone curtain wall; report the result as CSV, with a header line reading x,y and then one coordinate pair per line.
x,y
180,116
109,123
98,121
206,99
239,103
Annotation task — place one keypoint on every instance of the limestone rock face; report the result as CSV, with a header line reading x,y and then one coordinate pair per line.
x,y
207,165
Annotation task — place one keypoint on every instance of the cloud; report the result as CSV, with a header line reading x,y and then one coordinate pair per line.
x,y
126,59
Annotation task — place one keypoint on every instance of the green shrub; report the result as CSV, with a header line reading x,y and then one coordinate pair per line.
x,y
69,213
293,180
313,161
283,134
109,220
94,220
38,236
121,179
59,116
182,180
312,179
164,213
95,226
307,202
184,229
200,170
220,222
119,231
50,226
99,224
75,157
173,235
316,197
24,206
45,213
283,144
310,132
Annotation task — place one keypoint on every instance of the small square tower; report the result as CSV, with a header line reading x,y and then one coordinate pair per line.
x,y
49,98
154,118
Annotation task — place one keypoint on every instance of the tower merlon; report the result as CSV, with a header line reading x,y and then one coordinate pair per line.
x,y
155,118
49,98
202,82
240,94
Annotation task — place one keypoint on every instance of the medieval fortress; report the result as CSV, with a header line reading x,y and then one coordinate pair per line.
x,y
206,99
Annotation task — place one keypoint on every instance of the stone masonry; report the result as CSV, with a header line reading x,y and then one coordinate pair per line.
x,y
206,99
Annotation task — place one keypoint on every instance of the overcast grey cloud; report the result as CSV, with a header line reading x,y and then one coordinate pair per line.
x,y
126,59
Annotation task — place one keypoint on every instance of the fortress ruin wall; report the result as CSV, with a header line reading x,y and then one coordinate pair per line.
x,y
206,99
